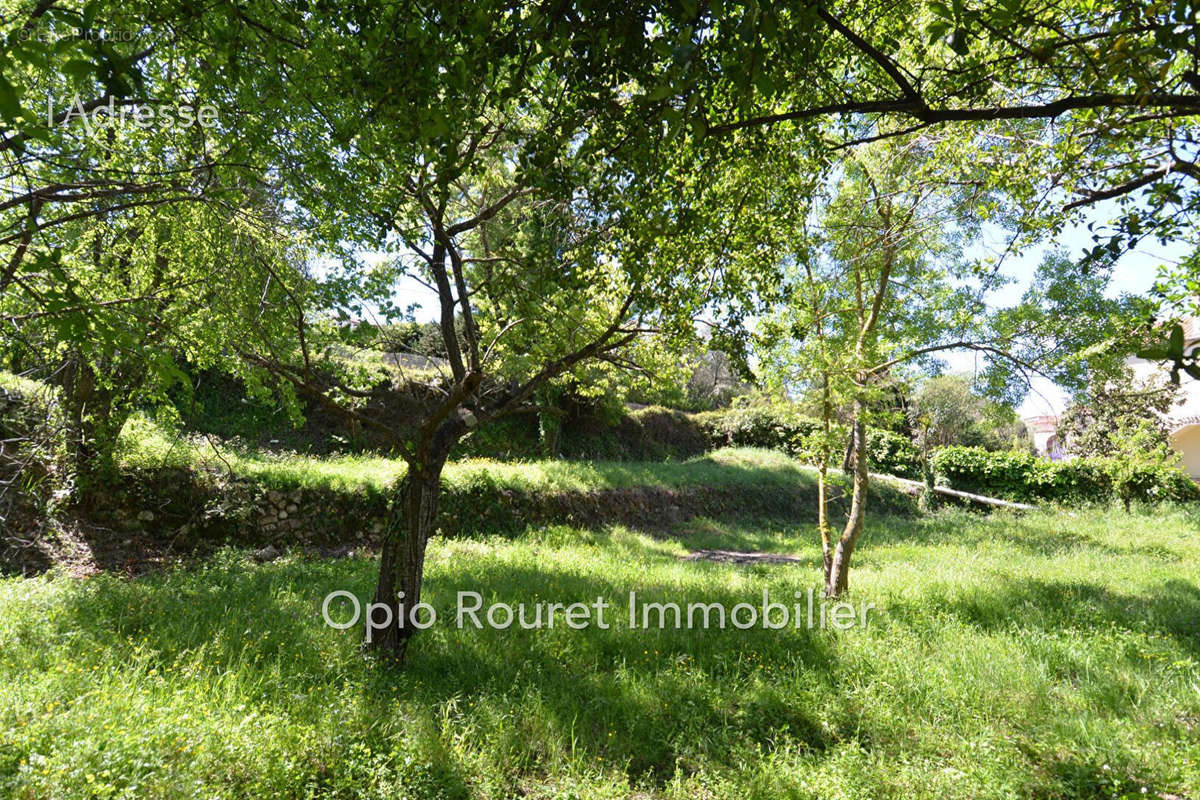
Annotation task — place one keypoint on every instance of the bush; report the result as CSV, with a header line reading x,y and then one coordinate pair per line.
x,y
893,453
1011,475
1026,478
508,439
677,434
778,426
648,434
32,458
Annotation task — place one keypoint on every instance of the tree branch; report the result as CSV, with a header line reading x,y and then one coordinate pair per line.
x,y
875,55
918,108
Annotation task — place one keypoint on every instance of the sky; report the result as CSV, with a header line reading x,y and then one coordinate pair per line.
x,y
1134,273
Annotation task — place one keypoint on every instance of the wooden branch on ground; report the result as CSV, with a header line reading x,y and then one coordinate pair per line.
x,y
948,492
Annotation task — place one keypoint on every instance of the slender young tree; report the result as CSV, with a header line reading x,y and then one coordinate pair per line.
x,y
880,281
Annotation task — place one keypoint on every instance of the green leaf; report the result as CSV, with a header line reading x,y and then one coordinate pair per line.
x,y
941,10
10,101
660,92
79,68
1175,349
958,41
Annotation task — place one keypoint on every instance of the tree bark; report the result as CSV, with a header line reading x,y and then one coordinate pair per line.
x,y
402,560
839,570
838,575
823,482
93,422
823,521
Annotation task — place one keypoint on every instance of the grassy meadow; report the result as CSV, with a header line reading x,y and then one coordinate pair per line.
x,y
145,443
1050,655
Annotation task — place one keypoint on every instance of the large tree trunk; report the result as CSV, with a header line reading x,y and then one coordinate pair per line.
x,y
837,578
402,560
402,557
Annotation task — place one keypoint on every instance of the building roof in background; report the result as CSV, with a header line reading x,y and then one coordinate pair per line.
x,y
1043,423
1191,328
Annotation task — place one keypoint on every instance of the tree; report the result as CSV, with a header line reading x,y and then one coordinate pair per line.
x,y
67,70
714,381
1068,326
130,300
954,414
504,157
879,281
878,284
1097,420
1101,95
1137,445
136,230
1071,105
571,179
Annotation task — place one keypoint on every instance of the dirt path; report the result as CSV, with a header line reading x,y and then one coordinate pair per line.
x,y
739,557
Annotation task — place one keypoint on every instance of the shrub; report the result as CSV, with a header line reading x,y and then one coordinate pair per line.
x,y
778,426
1027,478
32,457
674,432
647,434
508,439
893,453
1152,483
1011,475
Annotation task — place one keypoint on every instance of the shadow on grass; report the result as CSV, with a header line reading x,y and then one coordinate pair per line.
x,y
646,701
1073,777
759,534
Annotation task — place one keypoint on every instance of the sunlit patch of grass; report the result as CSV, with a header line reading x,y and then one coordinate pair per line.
x,y
730,466
145,443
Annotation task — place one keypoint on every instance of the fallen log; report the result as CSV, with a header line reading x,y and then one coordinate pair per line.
x,y
948,492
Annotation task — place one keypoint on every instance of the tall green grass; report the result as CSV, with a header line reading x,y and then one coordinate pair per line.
x,y
1047,655
147,444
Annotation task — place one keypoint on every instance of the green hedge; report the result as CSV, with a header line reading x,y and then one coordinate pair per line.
x,y
777,426
781,426
1027,478
893,453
